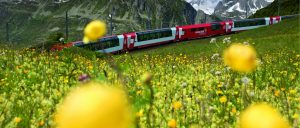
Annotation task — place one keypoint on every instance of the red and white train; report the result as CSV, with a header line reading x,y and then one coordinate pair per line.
x,y
134,40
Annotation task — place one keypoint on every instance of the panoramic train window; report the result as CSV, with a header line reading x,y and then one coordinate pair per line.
x,y
286,17
216,27
103,43
247,23
151,35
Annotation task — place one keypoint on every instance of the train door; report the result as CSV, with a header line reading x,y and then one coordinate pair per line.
x,y
228,25
180,33
130,40
275,19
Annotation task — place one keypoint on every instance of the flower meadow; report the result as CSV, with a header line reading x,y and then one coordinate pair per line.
x,y
163,90
234,84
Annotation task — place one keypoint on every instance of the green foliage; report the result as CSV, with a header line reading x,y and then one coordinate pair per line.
x,y
287,7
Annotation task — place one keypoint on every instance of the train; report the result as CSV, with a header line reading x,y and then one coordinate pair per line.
x,y
136,40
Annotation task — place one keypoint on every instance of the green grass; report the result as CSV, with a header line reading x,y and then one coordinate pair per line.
x,y
33,84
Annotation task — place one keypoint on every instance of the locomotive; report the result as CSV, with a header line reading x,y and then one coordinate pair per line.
x,y
136,40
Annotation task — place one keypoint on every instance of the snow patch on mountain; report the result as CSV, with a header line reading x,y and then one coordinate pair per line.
x,y
239,9
235,7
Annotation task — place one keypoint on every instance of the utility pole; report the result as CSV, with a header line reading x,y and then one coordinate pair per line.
x,y
7,32
111,20
67,26
149,22
204,17
278,7
246,10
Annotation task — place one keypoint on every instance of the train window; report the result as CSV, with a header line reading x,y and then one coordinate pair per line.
x,y
103,43
286,17
216,27
155,34
197,29
246,23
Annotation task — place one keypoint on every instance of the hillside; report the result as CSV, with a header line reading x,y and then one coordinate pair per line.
x,y
285,34
185,82
287,7
33,21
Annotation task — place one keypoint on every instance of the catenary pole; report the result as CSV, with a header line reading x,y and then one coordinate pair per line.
x,y
7,31
67,26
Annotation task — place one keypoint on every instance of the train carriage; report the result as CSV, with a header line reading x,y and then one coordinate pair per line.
x,y
247,24
152,37
204,30
128,41
110,44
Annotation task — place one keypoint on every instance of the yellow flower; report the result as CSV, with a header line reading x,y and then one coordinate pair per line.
x,y
140,113
66,80
90,67
219,92
220,85
262,116
94,30
41,123
18,119
172,123
177,105
240,57
138,83
139,92
94,105
293,91
223,99
146,78
295,116
277,93
233,110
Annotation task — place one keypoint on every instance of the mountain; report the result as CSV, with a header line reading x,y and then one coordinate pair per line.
x,y
31,21
215,10
239,9
207,6
287,7
203,17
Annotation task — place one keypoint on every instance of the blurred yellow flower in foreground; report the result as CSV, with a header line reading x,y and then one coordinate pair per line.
x,y
94,30
94,106
262,116
240,57
85,40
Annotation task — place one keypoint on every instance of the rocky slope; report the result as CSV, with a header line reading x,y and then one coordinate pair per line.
x,y
33,20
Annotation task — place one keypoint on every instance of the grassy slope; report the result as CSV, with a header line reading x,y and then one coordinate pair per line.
x,y
283,35
287,7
